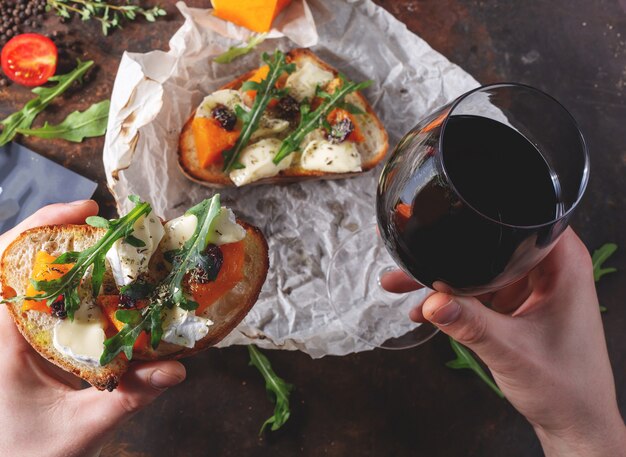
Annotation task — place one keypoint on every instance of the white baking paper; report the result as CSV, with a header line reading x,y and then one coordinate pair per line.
x,y
155,93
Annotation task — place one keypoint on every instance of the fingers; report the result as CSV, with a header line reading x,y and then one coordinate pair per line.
x,y
59,213
472,324
399,282
140,386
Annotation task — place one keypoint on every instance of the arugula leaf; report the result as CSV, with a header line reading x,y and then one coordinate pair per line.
x,y
310,120
190,256
265,91
277,388
137,290
600,256
68,284
169,292
98,222
233,52
134,241
135,322
76,126
465,360
24,118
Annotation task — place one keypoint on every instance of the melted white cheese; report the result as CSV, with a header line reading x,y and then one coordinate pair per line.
x,y
301,83
178,231
128,262
269,126
184,328
257,161
227,97
322,155
225,230
83,338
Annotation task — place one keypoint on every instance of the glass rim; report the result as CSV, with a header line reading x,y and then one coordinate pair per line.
x,y
584,149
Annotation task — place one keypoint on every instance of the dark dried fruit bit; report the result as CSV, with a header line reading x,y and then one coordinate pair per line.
x,y
288,108
208,271
340,130
225,116
58,308
127,302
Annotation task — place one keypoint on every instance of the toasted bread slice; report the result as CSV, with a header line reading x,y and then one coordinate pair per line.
x,y
17,263
372,150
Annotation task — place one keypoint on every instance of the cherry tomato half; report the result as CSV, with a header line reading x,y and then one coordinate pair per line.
x,y
29,59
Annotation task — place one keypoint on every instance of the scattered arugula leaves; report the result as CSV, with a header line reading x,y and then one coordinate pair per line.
x,y
465,360
109,15
237,51
277,388
311,120
24,118
169,292
265,91
67,285
600,256
76,126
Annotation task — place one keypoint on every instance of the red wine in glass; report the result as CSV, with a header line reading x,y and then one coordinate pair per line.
x,y
470,200
485,194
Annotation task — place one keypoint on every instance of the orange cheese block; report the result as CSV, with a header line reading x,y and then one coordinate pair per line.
x,y
43,270
211,140
229,275
256,15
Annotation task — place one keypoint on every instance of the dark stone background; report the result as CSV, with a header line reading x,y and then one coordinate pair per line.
x,y
388,403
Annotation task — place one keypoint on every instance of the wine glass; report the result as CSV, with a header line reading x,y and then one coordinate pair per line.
x,y
470,200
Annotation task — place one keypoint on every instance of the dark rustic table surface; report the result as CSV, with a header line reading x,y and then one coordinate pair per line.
x,y
386,403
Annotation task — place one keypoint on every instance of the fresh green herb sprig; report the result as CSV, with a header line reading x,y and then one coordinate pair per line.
x,y
234,52
598,258
108,14
277,388
67,285
170,291
465,360
311,120
76,126
23,119
265,91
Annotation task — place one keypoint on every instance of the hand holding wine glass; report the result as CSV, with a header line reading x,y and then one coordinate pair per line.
x,y
543,340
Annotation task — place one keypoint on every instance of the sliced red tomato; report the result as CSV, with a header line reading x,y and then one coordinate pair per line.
x,y
29,59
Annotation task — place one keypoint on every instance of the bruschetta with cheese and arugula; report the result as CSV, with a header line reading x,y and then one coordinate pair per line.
x,y
293,118
90,298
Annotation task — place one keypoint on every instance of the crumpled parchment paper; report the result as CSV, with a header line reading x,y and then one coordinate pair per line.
x,y
155,93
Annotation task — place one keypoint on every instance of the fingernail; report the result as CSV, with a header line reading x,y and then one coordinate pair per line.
x,y
78,202
447,314
159,379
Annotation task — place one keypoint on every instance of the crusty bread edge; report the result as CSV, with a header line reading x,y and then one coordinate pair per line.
x,y
289,175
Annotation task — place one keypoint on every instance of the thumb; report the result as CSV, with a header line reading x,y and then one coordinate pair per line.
x,y
472,324
140,386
